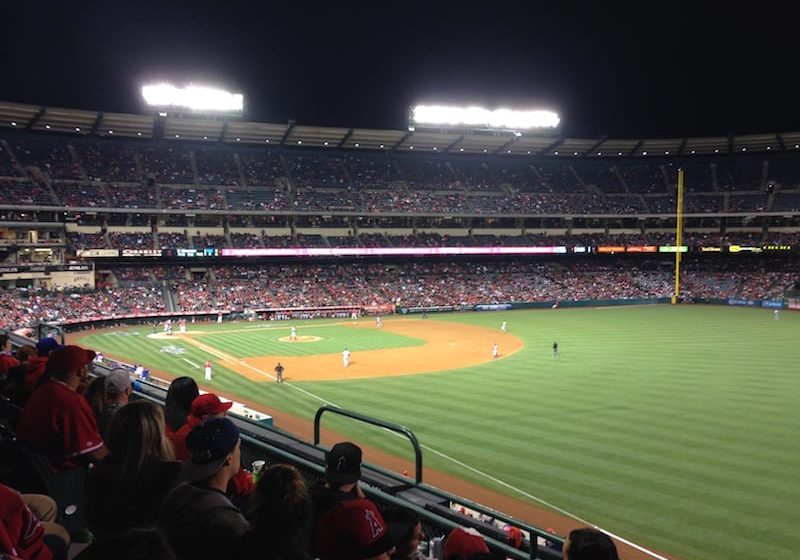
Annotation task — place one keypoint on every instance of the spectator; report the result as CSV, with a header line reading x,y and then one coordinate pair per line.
x,y
281,516
13,385
354,530
38,364
465,544
117,385
408,528
57,420
95,395
7,359
127,487
589,544
342,472
180,395
22,534
203,408
197,517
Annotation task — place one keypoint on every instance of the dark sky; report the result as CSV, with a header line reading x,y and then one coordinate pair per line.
x,y
622,69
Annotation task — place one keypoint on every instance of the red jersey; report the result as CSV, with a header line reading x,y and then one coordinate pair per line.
x,y
36,367
7,362
20,531
59,422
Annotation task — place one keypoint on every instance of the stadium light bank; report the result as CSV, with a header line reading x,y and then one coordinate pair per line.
x,y
194,98
480,118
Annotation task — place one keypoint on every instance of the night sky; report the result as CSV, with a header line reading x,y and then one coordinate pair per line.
x,y
621,69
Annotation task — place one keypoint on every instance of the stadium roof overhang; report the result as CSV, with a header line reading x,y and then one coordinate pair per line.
x,y
231,130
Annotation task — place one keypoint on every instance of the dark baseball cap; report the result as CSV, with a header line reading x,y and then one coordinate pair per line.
x,y
209,445
343,463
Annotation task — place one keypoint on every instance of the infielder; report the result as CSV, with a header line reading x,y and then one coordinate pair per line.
x,y
346,357
503,327
208,370
279,373
495,351
293,333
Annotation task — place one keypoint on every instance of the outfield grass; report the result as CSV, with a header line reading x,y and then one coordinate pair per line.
x,y
673,427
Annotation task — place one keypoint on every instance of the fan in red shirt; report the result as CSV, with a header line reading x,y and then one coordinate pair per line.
x,y
56,420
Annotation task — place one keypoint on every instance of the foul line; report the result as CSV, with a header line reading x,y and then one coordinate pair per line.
x,y
191,363
482,474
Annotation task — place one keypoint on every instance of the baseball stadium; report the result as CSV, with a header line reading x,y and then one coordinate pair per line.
x,y
541,333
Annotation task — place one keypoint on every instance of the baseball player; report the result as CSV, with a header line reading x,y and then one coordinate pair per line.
x,y
495,351
503,327
182,326
293,333
378,322
346,357
776,315
555,349
279,373
208,370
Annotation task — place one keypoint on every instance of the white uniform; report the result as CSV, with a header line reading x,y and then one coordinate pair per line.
x,y
182,325
378,322
293,334
495,352
139,372
346,357
208,371
503,327
776,314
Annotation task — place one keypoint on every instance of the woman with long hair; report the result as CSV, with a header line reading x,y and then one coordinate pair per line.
x,y
182,391
126,489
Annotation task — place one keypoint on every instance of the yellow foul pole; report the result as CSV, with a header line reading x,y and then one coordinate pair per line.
x,y
678,238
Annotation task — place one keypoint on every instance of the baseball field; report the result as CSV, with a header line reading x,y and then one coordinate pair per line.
x,y
674,428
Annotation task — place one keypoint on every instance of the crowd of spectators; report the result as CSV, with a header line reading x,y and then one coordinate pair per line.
x,y
405,284
251,180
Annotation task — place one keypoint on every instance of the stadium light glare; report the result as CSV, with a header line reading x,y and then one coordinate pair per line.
x,y
483,118
193,97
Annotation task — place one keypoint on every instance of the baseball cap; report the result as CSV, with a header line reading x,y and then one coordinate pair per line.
x,y
209,445
353,530
47,345
116,381
69,358
464,543
343,463
206,405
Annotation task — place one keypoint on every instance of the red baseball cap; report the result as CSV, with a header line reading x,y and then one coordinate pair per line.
x,y
353,530
464,543
69,358
206,405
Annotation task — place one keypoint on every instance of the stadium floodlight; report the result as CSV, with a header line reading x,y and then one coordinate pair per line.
x,y
507,119
193,97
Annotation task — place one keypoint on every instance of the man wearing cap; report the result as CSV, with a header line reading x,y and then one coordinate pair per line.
x,y
342,472
354,530
198,518
38,363
118,389
204,407
57,420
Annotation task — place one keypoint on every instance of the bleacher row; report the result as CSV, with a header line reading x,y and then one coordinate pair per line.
x,y
90,173
145,291
121,240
